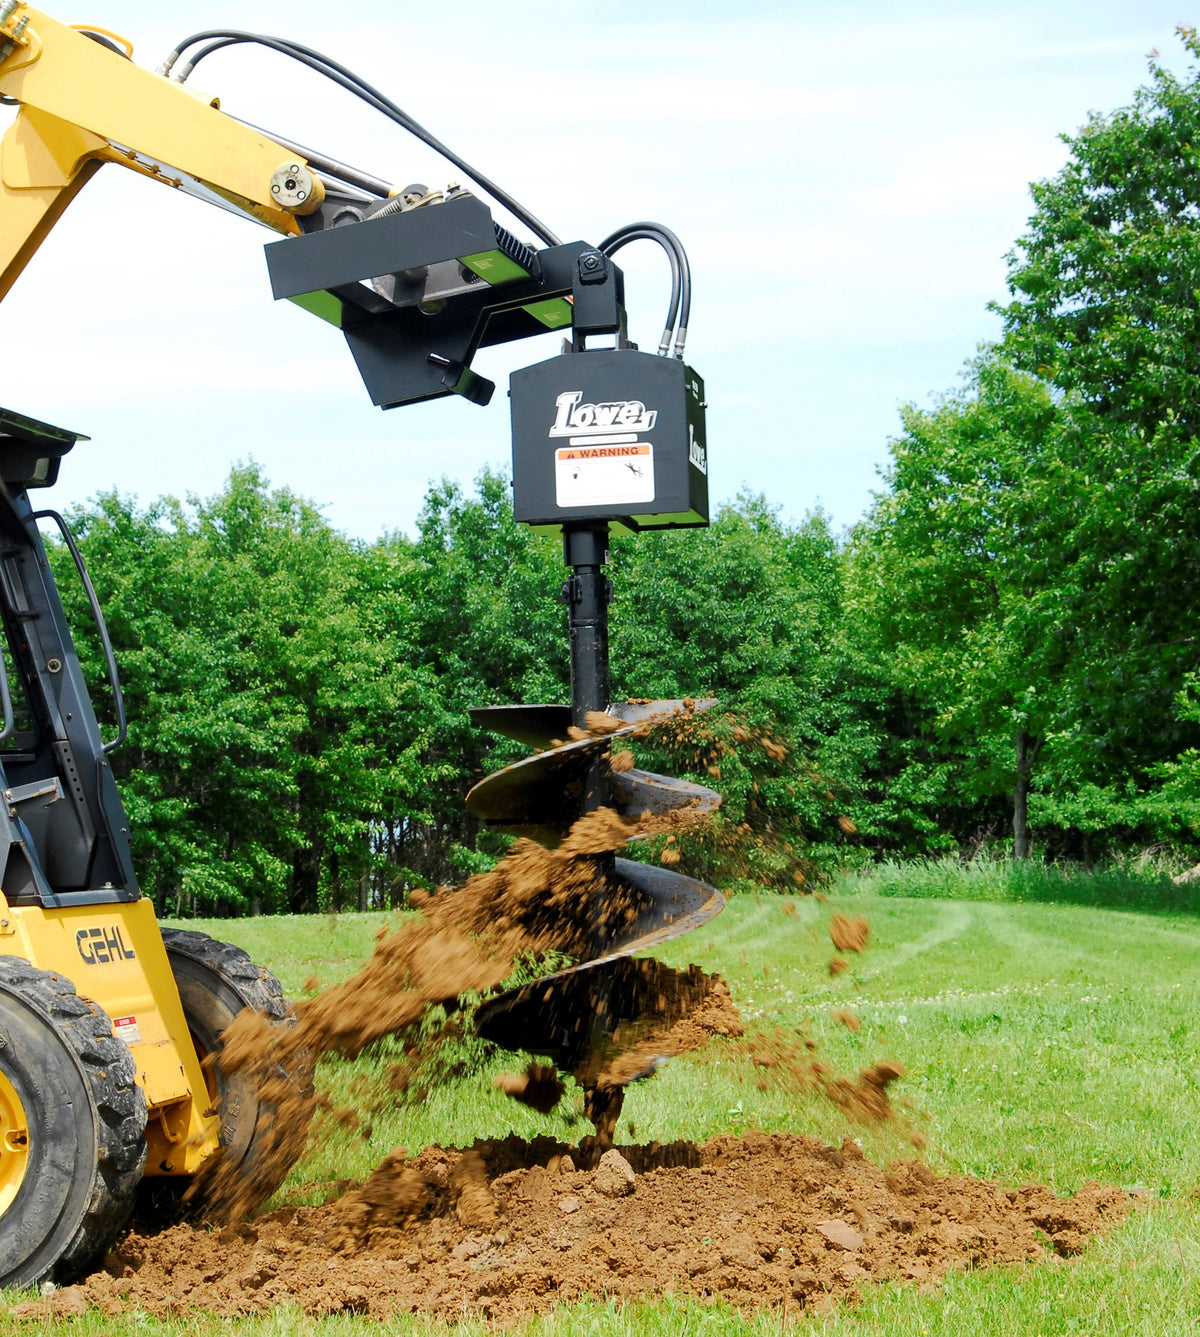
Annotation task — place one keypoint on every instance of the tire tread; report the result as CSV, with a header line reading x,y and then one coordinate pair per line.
x,y
111,1076
259,990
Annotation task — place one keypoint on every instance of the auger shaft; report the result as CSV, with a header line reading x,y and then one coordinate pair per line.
x,y
574,1013
587,593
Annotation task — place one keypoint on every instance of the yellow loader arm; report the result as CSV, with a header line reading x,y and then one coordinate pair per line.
x,y
83,104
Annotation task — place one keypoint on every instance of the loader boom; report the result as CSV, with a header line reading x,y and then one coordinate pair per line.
x,y
82,105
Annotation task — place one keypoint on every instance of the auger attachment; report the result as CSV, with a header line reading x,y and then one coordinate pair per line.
x,y
568,1016
609,436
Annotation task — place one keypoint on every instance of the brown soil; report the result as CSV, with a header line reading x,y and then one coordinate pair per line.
x,y
788,1064
513,1228
689,1008
865,1097
535,901
849,935
510,1228
539,1087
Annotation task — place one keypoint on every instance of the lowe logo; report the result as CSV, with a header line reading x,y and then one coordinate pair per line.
x,y
99,946
697,455
622,415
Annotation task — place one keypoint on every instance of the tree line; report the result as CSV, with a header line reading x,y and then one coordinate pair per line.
x,y
1000,655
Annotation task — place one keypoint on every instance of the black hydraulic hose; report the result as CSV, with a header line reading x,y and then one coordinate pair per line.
x,y
671,244
610,247
353,83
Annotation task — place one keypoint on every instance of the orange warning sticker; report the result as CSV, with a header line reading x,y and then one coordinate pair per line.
x,y
601,452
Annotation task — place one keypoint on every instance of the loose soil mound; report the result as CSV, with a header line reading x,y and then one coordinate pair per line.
x,y
512,1228
467,940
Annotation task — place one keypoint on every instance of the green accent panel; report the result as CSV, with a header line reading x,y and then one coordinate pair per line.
x,y
494,266
554,312
678,519
322,304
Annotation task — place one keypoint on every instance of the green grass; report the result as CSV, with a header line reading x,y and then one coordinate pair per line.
x,y
1057,1042
1133,884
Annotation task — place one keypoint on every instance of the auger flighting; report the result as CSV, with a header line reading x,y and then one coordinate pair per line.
x,y
601,437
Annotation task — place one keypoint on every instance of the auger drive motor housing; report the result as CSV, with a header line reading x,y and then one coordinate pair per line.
x,y
609,434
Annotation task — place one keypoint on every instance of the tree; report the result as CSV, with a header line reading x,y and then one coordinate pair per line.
x,y
1106,282
1106,306
953,586
489,629
274,713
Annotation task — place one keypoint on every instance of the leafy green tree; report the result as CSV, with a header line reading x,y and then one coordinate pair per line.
x,y
274,713
953,585
1106,306
1106,282
489,628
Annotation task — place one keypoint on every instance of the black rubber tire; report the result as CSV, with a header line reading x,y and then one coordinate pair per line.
x,y
216,980
86,1117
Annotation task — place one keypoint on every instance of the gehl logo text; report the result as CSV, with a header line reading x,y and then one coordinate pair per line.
x,y
99,946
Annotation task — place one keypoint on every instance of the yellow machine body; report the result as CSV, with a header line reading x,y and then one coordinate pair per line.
x,y
83,105
114,955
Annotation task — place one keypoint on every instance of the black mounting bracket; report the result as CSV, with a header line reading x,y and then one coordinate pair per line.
x,y
418,292
597,296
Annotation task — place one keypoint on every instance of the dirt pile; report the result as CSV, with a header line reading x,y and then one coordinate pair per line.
x,y
513,1228
468,940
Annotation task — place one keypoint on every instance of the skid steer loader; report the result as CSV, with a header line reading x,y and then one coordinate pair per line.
x,y
105,1019
110,1027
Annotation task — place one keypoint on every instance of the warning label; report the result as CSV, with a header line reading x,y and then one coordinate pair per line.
x,y
127,1029
604,475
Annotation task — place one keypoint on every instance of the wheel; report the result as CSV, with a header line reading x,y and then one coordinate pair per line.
x,y
72,1119
216,981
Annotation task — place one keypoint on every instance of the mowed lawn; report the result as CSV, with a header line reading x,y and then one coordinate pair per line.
x,y
1049,1042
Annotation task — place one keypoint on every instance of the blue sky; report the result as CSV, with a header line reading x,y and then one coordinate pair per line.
x,y
846,177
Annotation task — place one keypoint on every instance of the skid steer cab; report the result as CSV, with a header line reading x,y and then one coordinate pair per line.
x,y
106,1020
